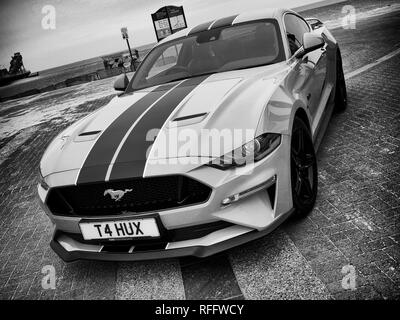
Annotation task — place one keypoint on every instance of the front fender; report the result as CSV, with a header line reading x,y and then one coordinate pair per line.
x,y
281,109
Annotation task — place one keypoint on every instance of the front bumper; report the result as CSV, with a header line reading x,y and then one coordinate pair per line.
x,y
251,217
70,250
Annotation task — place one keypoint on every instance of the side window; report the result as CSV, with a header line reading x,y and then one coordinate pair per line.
x,y
295,28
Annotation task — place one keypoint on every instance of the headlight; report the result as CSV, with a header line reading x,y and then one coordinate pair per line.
x,y
43,183
252,151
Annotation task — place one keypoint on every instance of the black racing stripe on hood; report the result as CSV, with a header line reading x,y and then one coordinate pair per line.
x,y
131,160
96,164
224,22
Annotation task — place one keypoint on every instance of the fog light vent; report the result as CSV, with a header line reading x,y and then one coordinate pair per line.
x,y
265,185
271,192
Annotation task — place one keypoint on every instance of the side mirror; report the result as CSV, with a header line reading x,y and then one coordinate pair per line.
x,y
311,42
121,83
314,23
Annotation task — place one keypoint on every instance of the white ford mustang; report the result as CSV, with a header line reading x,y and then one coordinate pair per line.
x,y
210,145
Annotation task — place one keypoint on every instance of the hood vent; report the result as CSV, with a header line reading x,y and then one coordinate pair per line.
x,y
190,119
87,136
89,133
191,116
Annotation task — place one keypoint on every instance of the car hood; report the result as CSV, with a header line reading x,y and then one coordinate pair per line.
x,y
232,100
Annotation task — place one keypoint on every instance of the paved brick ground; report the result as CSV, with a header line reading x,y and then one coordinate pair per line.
x,y
357,217
356,220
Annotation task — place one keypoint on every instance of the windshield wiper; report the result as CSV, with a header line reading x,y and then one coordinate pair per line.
x,y
251,66
192,76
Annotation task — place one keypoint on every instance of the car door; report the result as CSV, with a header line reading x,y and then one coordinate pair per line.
x,y
311,68
319,59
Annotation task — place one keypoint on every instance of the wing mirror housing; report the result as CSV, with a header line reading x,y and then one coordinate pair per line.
x,y
315,23
311,42
121,83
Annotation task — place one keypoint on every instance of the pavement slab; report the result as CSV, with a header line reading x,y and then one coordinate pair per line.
x,y
150,280
273,268
210,278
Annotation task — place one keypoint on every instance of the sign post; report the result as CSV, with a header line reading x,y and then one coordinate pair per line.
x,y
124,32
168,20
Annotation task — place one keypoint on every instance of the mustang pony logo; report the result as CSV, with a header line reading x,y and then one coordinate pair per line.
x,y
116,194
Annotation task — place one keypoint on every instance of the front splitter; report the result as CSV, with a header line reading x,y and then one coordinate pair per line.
x,y
200,251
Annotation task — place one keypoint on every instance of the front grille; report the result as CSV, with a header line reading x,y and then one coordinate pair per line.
x,y
148,194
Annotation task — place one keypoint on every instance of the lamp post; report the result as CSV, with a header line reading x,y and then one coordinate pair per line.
x,y
124,32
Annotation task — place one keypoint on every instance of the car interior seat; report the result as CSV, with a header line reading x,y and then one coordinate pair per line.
x,y
203,60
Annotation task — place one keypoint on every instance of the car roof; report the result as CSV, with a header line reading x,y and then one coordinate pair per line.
x,y
268,13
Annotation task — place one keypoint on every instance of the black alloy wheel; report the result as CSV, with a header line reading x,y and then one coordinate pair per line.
x,y
340,91
304,172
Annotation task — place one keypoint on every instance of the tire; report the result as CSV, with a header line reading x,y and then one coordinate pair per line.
x,y
340,88
303,169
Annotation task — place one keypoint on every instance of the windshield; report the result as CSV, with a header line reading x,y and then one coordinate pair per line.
x,y
217,50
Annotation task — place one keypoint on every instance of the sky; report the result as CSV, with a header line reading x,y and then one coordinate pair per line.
x,y
90,28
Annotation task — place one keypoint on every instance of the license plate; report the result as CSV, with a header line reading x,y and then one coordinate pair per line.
x,y
120,229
